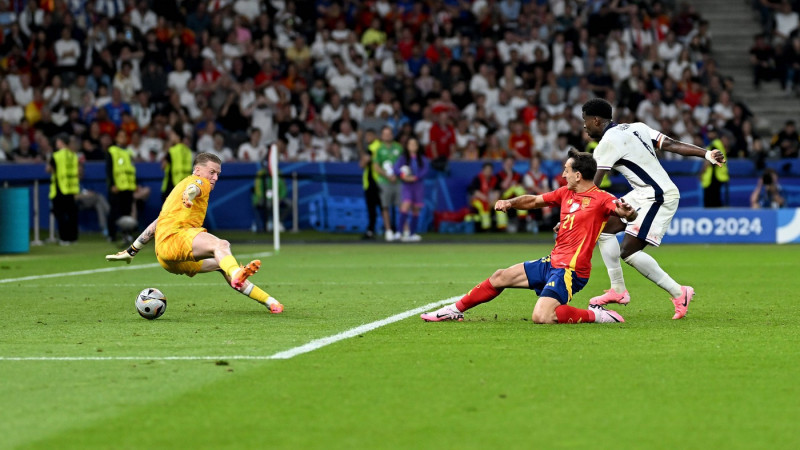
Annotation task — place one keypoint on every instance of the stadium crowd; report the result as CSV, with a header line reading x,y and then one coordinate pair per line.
x,y
471,80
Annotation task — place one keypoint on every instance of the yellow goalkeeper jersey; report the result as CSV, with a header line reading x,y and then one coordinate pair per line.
x,y
175,217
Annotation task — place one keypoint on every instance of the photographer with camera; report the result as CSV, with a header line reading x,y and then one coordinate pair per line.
x,y
768,193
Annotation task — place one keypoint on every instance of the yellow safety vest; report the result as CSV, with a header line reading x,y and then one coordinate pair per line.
x,y
365,181
123,169
721,173
179,166
65,177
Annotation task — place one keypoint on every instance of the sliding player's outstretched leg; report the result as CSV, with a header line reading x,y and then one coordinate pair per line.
x,y
249,289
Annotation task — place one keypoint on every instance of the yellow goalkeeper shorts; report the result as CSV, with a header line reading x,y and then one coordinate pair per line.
x,y
174,253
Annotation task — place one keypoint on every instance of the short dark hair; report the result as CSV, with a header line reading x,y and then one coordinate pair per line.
x,y
203,158
597,107
583,163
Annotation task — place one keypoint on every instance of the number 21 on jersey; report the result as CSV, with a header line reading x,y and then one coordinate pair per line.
x,y
569,220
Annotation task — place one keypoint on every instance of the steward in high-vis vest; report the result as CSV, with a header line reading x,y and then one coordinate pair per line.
x,y
177,163
66,169
121,179
714,178
369,178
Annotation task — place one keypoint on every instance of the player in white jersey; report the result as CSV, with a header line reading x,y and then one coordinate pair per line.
x,y
630,148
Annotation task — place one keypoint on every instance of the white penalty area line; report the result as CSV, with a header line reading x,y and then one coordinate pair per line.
x,y
105,269
287,354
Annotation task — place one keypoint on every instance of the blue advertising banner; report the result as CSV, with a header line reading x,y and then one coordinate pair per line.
x,y
788,226
722,226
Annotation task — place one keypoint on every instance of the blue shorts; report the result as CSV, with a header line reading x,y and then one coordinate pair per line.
x,y
547,281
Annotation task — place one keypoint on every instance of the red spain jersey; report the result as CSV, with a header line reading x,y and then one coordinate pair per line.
x,y
583,217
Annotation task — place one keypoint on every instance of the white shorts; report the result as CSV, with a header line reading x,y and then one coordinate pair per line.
x,y
653,219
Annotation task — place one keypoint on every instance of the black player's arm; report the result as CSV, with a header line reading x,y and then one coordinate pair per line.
x,y
598,176
685,149
682,148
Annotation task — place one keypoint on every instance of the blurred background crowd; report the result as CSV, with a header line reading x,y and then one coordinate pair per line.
x,y
470,79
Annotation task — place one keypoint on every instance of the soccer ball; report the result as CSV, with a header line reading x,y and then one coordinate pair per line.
x,y
405,171
151,303
388,168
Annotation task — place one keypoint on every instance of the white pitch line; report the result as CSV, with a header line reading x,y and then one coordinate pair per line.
x,y
287,354
105,269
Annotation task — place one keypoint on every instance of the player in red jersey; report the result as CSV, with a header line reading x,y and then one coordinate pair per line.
x,y
557,277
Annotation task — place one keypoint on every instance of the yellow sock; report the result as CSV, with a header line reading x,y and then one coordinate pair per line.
x,y
257,294
229,265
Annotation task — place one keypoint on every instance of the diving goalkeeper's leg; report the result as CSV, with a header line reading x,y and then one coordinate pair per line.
x,y
249,289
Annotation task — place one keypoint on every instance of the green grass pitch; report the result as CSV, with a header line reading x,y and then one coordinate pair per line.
x,y
724,377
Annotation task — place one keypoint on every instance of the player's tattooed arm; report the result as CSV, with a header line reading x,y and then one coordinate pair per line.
x,y
148,233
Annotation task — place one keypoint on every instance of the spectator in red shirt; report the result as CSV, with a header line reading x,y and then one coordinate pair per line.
x,y
443,141
406,44
207,78
520,142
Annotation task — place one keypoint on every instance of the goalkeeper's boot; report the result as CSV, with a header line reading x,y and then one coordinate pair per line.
x,y
448,312
602,315
274,307
611,296
243,273
121,256
682,303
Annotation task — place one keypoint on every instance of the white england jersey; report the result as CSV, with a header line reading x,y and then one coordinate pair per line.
x,y
630,148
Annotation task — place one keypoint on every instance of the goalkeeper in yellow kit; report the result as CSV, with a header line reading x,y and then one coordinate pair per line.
x,y
184,247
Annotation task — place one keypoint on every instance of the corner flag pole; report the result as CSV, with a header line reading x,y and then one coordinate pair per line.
x,y
273,170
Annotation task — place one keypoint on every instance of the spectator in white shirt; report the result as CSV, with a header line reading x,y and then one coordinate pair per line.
x,y
347,139
142,18
620,65
11,111
385,106
676,67
220,149
253,150
356,105
504,112
152,146
67,51
188,99
205,143
110,8
126,82
670,48
479,83
786,21
342,80
178,79
722,111
311,149
332,110
637,39
55,95
24,94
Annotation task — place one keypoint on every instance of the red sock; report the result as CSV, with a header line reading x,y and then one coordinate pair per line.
x,y
570,314
481,293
